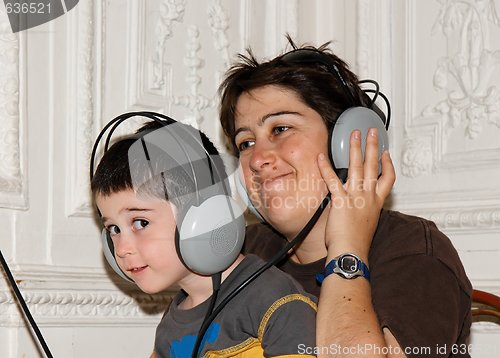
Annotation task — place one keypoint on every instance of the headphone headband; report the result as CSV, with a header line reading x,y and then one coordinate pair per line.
x,y
115,122
163,121
312,55
309,55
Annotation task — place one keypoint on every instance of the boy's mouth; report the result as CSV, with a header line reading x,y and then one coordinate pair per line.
x,y
137,269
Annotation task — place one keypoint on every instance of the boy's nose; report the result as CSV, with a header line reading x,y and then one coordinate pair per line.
x,y
124,245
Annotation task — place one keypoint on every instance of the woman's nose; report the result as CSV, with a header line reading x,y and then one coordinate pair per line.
x,y
263,155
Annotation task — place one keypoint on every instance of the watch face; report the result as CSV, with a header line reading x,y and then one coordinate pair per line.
x,y
349,263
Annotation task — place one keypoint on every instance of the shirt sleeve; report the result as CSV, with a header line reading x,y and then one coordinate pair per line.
x,y
288,328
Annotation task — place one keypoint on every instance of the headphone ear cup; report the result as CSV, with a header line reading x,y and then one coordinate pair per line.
x,y
242,192
109,253
208,243
360,118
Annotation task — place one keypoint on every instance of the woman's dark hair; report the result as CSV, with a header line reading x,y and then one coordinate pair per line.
x,y
314,84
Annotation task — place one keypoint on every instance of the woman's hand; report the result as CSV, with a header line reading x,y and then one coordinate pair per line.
x,y
355,207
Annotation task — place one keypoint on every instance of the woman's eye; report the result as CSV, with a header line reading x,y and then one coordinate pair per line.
x,y
280,129
140,224
113,230
244,145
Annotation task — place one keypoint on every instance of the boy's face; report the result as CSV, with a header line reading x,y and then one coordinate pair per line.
x,y
143,234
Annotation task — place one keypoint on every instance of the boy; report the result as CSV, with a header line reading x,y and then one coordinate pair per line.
x,y
273,316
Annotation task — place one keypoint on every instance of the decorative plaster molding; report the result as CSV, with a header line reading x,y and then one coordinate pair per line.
x,y
373,47
82,55
470,211
218,20
12,181
456,199
87,308
466,219
195,102
417,157
472,95
81,296
170,11
143,86
460,220
467,77
150,79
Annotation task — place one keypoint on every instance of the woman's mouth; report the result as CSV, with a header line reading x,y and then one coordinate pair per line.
x,y
276,183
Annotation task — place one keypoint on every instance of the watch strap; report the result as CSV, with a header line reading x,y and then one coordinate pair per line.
x,y
333,264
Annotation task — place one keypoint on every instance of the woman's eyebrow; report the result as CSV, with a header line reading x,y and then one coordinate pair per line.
x,y
239,130
263,119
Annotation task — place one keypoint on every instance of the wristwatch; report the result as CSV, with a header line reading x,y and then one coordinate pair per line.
x,y
347,266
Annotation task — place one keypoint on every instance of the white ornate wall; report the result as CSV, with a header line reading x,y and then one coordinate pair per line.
x,y
61,82
448,76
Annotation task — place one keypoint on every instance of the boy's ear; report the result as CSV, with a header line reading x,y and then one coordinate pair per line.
x,y
211,235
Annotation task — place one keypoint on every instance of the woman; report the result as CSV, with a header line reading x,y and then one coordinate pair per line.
x,y
411,296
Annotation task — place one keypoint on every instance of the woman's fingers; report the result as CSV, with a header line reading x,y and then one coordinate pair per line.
x,y
388,177
371,163
355,173
332,181
363,172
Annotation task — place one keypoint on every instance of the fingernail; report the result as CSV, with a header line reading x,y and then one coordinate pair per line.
x,y
373,132
357,134
321,156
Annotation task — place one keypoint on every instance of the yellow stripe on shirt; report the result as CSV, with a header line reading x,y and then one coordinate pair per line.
x,y
277,304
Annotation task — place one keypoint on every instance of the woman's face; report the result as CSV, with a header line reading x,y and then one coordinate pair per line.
x,y
279,138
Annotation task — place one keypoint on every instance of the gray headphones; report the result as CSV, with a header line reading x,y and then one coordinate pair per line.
x,y
355,117
210,229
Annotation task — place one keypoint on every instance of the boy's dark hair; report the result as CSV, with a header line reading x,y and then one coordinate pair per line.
x,y
113,174
313,83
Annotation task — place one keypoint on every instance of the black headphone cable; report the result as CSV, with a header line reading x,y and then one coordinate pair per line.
x,y
274,260
216,282
24,306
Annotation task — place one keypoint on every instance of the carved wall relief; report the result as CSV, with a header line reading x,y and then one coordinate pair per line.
x,y
12,180
460,125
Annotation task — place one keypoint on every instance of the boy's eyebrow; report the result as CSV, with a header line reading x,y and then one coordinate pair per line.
x,y
104,219
263,119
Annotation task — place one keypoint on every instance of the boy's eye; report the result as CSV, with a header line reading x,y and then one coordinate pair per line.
x,y
140,224
113,230
244,145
